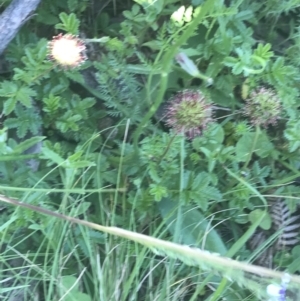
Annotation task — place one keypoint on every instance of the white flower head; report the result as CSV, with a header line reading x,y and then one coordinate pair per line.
x,y
67,50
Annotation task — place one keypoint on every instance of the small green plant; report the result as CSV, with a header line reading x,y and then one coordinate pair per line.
x,y
174,119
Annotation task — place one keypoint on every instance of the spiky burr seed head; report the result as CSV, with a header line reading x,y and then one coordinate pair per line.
x,y
67,50
189,112
263,107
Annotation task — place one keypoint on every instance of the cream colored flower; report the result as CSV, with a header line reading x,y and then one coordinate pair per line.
x,y
67,50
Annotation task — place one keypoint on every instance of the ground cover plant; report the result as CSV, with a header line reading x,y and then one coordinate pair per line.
x,y
150,151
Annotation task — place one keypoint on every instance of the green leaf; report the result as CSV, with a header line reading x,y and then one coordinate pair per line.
x,y
70,23
127,14
52,103
295,265
230,61
217,133
75,157
82,208
78,164
46,17
264,147
35,227
238,68
27,120
263,51
280,74
70,285
72,5
53,156
201,181
210,193
135,9
24,145
24,95
244,146
257,214
261,173
195,229
158,192
153,173
78,296
15,94
292,134
8,89
69,282
80,106
9,106
153,45
68,122
200,191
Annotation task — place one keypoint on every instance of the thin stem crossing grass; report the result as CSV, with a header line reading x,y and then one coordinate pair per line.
x,y
190,256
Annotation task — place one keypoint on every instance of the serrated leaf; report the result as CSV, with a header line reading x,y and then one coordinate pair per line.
x,y
263,51
24,95
208,194
27,120
42,49
9,106
158,192
292,133
76,156
82,208
53,156
230,61
261,172
24,145
73,24
11,123
244,15
238,68
153,45
8,89
29,57
201,181
68,122
212,193
153,173
79,164
63,17
70,23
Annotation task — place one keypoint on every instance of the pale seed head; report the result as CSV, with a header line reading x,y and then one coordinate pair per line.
x,y
67,50
263,107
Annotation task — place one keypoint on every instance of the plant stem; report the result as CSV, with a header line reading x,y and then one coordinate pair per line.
x,y
166,65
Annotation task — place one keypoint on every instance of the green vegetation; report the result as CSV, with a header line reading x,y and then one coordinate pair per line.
x,y
150,150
